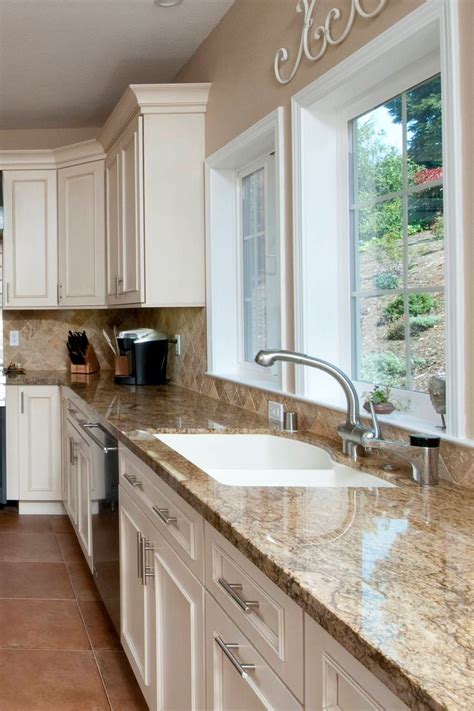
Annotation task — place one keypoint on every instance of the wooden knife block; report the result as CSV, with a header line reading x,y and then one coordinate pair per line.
x,y
91,365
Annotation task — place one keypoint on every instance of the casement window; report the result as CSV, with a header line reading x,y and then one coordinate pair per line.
x,y
378,220
245,254
397,228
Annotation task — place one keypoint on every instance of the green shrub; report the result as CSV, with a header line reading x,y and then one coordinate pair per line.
x,y
418,304
387,280
418,324
385,368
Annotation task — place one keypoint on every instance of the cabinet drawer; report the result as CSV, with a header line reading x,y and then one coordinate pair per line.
x,y
178,522
271,621
238,677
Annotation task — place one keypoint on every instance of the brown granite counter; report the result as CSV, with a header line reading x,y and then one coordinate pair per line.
x,y
387,572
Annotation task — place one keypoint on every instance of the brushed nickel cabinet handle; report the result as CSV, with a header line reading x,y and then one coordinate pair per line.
x,y
22,403
164,514
139,556
232,589
8,292
147,571
132,479
227,648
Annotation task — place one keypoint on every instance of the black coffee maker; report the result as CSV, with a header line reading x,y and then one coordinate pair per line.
x,y
143,355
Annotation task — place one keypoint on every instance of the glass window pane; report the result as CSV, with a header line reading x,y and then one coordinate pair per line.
x,y
426,238
260,277
424,132
382,350
428,343
378,150
380,246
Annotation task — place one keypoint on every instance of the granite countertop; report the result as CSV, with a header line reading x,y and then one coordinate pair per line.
x,y
387,572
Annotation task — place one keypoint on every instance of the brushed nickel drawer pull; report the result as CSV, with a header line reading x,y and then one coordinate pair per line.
x,y
132,479
226,648
164,514
232,589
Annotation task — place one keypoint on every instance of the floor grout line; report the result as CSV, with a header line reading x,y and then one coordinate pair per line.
x,y
99,671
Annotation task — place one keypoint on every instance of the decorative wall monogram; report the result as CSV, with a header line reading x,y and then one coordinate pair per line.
x,y
322,35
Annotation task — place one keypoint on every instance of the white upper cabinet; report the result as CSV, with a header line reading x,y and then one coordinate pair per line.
x,y
155,196
30,239
81,222
125,243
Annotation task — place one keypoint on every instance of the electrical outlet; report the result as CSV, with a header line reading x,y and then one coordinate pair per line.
x,y
275,411
177,345
14,338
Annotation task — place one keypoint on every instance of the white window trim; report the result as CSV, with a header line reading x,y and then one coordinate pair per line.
x,y
222,230
363,77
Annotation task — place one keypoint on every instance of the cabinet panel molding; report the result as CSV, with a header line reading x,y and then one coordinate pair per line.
x,y
81,228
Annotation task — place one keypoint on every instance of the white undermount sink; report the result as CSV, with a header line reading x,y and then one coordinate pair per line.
x,y
266,460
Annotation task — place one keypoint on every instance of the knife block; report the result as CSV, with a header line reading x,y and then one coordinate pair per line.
x,y
91,365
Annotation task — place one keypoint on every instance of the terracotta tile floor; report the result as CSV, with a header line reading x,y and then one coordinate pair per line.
x,y
58,648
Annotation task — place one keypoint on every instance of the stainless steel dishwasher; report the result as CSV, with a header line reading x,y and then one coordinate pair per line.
x,y
105,517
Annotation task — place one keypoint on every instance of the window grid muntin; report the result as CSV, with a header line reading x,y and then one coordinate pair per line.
x,y
355,207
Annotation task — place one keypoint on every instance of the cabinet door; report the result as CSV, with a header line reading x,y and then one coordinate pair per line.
x,y
336,681
30,239
39,432
84,521
81,229
70,473
179,614
238,678
112,188
137,596
131,245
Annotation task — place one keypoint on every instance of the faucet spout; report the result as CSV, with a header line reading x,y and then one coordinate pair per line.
x,y
268,358
352,430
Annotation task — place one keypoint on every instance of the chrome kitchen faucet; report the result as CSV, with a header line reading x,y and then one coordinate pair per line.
x,y
422,451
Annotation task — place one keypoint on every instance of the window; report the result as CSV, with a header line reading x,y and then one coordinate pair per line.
x,y
398,314
378,205
260,315
246,265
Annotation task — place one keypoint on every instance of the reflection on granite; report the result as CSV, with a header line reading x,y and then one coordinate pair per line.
x,y
387,572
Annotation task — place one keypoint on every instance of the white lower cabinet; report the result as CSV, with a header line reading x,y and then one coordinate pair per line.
x,y
136,596
39,443
84,475
162,608
70,498
179,628
335,681
238,678
226,641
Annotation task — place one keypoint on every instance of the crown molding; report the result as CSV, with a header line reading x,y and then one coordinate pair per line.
x,y
52,158
141,99
75,153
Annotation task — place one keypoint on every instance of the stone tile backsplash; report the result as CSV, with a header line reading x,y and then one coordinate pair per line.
x,y
43,337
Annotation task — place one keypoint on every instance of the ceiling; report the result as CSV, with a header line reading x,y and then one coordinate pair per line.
x,y
65,63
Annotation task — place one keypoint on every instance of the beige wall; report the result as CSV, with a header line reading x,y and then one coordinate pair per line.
x,y
37,138
237,58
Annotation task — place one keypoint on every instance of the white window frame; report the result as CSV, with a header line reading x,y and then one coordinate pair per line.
x,y
224,254
422,44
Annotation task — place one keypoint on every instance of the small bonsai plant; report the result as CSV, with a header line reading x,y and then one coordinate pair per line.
x,y
380,396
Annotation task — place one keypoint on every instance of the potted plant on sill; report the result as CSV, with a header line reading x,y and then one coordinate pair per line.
x,y
380,396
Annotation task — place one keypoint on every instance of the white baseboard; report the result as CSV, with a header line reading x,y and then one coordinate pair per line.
x,y
44,508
